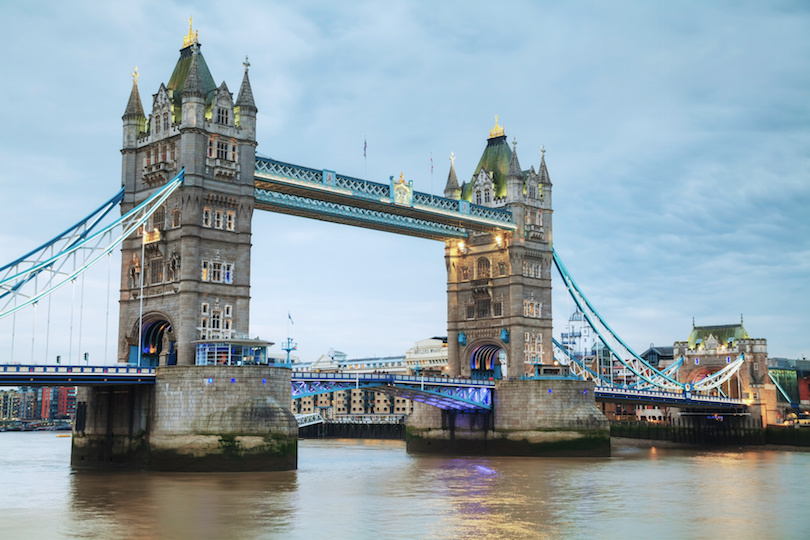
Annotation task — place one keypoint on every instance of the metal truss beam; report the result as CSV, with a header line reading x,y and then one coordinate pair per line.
x,y
22,375
449,394
48,268
351,215
329,196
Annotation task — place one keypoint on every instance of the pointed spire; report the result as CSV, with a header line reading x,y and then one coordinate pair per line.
x,y
245,98
543,172
514,164
134,107
452,190
194,86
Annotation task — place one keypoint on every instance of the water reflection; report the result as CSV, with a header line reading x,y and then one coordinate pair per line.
x,y
365,489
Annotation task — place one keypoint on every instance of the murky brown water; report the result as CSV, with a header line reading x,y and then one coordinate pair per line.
x,y
374,489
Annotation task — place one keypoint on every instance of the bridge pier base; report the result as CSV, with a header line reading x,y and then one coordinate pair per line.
x,y
195,418
529,418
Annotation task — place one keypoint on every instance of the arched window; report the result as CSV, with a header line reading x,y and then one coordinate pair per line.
x,y
486,195
483,268
165,121
477,196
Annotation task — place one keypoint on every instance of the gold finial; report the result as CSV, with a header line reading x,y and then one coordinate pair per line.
x,y
497,131
191,37
135,75
401,177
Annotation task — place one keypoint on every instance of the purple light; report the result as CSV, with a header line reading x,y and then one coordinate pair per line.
x,y
584,391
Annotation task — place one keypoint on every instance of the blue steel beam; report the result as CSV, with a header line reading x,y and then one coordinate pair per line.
x,y
21,375
670,399
441,392
326,195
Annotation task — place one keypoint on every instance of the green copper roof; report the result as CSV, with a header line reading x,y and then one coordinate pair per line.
x,y
178,79
722,333
496,158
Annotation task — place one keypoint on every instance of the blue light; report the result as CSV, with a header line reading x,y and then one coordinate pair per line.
x,y
233,380
210,380
264,381
549,390
584,391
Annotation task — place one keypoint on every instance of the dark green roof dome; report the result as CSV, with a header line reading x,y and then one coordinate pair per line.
x,y
180,74
496,158
727,334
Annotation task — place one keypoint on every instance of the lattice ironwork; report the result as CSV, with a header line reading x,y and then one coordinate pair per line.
x,y
441,392
359,215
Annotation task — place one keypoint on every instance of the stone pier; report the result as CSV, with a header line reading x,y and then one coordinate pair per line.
x,y
529,418
195,418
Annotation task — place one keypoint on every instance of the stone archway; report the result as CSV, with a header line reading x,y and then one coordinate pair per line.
x,y
157,341
487,361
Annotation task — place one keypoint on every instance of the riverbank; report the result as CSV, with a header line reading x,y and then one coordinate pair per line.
x,y
627,442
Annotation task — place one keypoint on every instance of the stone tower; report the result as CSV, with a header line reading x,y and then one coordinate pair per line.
x,y
499,285
189,274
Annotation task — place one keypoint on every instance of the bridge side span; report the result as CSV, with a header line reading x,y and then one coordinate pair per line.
x,y
448,394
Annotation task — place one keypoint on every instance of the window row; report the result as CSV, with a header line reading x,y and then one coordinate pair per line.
x,y
483,270
222,149
160,154
483,196
217,272
531,269
533,217
533,349
484,308
534,191
156,122
219,219
532,308
216,322
158,271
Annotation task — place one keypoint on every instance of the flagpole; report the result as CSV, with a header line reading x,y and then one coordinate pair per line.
x,y
365,146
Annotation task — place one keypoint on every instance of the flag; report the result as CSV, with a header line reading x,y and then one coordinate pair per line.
x,y
365,146
290,317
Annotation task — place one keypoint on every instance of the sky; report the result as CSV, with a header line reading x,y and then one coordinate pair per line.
x,y
677,138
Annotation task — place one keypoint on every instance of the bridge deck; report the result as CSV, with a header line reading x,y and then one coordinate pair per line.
x,y
23,375
328,196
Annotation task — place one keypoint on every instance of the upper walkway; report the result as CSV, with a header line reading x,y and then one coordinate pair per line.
x,y
21,375
394,207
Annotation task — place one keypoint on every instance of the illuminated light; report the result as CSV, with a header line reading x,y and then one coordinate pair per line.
x,y
210,380
585,391
549,390
233,380
264,381
499,241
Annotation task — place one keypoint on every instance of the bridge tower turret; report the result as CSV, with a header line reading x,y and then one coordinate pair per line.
x,y
187,275
499,284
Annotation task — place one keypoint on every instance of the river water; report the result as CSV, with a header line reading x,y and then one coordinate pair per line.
x,y
374,489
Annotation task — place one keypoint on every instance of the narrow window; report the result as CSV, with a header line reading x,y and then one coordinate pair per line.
x,y
216,272
211,147
204,275
218,219
231,222
204,308
206,217
228,273
228,310
172,152
222,150
175,218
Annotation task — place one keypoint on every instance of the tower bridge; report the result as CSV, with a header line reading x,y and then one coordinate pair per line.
x,y
191,183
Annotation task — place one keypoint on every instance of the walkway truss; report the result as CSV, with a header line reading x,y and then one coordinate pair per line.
x,y
60,261
328,196
647,377
462,395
